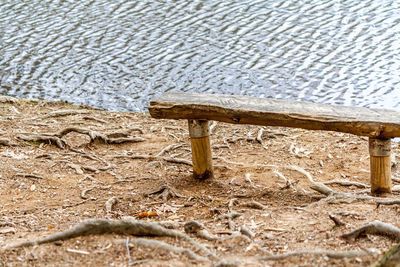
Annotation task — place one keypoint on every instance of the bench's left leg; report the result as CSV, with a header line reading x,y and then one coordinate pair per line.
x,y
201,150
380,165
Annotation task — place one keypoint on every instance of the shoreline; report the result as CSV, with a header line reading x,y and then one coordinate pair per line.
x,y
47,187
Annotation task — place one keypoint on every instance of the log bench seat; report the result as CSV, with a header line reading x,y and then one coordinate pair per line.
x,y
379,125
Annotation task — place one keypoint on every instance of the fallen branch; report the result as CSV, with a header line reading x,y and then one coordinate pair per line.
x,y
104,226
374,228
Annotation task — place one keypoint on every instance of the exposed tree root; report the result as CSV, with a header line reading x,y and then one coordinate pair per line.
x,y
213,125
47,139
6,142
230,216
199,230
56,138
336,220
347,183
29,176
8,99
253,205
329,253
110,204
167,247
333,195
374,228
165,193
167,159
245,231
107,138
66,112
390,259
105,226
286,180
169,148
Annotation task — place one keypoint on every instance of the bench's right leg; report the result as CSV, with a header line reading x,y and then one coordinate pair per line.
x,y
201,150
380,165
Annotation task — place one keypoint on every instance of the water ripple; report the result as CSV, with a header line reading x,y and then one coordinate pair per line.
x,y
119,54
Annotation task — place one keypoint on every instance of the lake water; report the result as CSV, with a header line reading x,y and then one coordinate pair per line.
x,y
119,54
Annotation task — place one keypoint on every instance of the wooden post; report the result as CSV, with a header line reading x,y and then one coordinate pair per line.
x,y
380,165
201,150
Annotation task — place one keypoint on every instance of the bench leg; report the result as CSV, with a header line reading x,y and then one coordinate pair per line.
x,y
380,165
201,150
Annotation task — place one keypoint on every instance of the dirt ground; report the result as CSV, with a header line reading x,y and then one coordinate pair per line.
x,y
119,165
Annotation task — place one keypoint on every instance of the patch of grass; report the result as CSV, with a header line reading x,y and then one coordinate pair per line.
x,y
34,143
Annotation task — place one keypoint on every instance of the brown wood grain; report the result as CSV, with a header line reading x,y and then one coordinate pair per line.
x,y
361,121
201,157
380,174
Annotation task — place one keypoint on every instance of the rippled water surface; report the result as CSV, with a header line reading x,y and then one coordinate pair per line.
x,y
119,54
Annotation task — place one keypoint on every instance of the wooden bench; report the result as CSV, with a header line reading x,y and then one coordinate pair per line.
x,y
378,125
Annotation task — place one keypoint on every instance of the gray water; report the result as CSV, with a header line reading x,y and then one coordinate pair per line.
x,y
119,54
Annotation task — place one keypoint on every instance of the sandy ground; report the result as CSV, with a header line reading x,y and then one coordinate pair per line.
x,y
45,189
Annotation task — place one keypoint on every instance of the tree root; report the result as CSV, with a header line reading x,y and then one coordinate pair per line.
x,y
374,228
65,112
107,138
165,193
347,183
167,247
199,230
390,259
56,138
336,220
253,205
169,148
110,204
329,253
47,139
33,177
125,226
167,159
230,216
8,99
6,142
333,195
